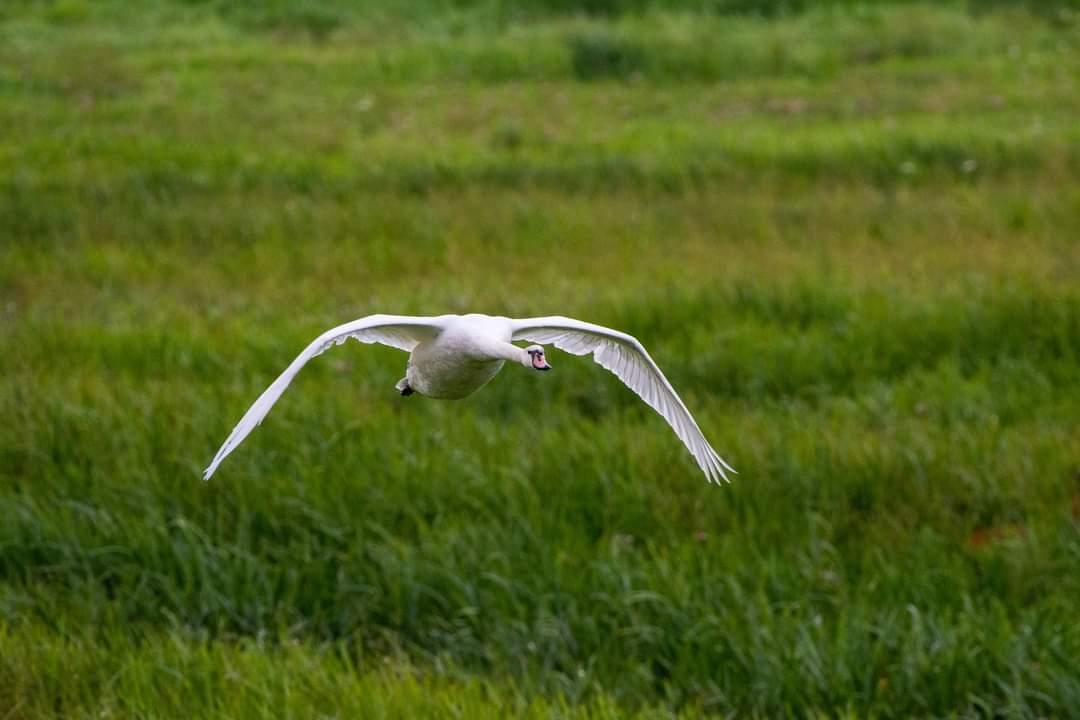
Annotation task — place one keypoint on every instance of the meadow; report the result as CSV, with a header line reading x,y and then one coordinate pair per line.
x,y
847,232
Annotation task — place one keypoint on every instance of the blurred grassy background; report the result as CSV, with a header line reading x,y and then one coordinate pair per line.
x,y
848,232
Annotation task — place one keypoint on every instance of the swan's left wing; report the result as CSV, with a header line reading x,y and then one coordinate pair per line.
x,y
398,331
624,356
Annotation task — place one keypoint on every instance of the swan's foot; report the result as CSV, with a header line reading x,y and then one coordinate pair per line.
x,y
407,391
403,387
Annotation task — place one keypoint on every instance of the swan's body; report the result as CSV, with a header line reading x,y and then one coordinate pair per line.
x,y
464,357
453,356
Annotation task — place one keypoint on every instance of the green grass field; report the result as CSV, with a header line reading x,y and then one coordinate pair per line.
x,y
850,234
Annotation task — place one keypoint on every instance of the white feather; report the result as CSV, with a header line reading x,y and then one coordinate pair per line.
x,y
397,331
624,356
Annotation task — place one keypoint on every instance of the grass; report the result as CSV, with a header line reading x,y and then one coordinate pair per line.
x,y
847,233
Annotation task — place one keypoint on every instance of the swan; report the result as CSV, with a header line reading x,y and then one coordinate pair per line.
x,y
453,356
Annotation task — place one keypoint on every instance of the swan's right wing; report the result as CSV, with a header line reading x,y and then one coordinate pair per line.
x,y
398,331
627,358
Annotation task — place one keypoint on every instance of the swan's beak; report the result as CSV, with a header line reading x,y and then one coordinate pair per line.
x,y
539,362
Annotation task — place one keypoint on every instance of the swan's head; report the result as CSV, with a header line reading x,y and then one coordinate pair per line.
x,y
534,358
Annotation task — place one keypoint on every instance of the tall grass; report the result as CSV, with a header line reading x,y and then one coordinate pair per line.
x,y
847,234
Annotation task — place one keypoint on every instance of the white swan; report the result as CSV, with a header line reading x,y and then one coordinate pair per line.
x,y
452,356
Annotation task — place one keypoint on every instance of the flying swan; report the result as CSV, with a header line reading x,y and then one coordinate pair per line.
x,y
453,356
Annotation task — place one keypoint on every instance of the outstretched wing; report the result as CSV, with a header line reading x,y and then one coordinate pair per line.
x,y
624,356
398,331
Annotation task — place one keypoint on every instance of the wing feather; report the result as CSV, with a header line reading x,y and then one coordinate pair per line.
x,y
628,360
397,331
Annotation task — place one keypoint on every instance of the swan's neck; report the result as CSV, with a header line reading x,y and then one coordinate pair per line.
x,y
511,352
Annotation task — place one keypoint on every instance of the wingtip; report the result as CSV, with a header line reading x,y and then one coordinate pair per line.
x,y
718,470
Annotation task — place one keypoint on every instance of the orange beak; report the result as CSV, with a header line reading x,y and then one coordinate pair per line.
x,y
539,362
